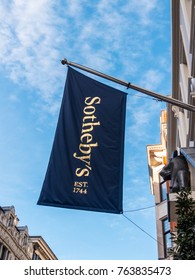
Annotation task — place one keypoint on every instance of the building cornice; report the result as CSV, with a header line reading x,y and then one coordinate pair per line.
x,y
13,239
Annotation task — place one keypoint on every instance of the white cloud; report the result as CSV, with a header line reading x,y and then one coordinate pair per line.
x,y
141,121
28,45
73,8
13,98
152,78
143,8
35,35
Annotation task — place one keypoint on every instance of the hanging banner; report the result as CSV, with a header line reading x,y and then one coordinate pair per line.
x,y
85,169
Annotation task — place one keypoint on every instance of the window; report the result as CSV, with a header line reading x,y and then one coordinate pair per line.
x,y
4,253
163,191
25,240
35,257
167,236
10,222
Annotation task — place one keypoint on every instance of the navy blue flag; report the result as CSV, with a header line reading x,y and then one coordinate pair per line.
x,y
85,169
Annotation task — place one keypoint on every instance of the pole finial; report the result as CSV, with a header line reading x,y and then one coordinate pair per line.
x,y
64,61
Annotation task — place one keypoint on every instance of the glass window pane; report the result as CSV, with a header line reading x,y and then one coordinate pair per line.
x,y
168,240
163,191
166,226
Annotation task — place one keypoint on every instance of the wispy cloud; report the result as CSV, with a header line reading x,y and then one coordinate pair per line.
x,y
142,122
35,35
29,45
152,78
119,38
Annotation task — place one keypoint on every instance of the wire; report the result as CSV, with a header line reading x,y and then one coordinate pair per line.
x,y
142,229
146,97
139,209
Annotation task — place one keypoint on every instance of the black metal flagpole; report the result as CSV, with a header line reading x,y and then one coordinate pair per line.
x,y
130,85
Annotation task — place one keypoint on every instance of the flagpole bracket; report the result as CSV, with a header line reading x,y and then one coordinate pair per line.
x,y
128,85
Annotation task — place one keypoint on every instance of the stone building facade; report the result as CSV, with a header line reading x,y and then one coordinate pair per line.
x,y
177,125
15,241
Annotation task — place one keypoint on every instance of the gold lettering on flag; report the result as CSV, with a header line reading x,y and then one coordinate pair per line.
x,y
86,143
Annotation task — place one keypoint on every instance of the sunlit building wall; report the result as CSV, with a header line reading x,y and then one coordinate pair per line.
x,y
15,241
177,131
180,123
157,158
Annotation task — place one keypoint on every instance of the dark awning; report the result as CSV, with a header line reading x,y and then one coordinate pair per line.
x,y
189,154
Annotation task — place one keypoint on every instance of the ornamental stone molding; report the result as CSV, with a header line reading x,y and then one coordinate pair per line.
x,y
175,110
15,241
12,237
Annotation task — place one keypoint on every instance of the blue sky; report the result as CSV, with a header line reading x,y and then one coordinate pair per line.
x,y
130,40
